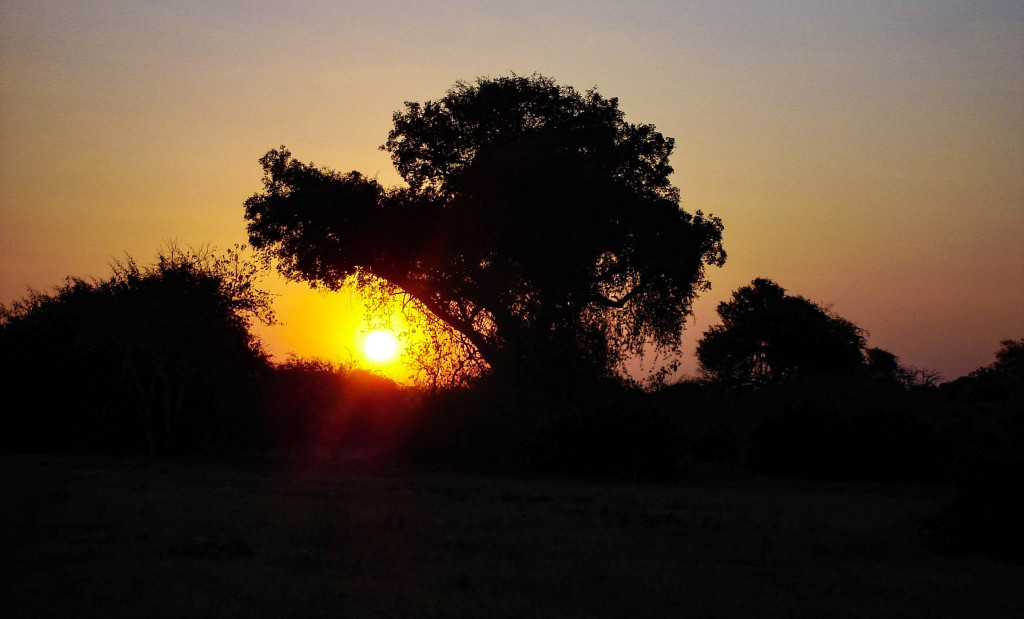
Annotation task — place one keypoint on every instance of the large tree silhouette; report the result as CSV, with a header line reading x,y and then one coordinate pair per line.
x,y
767,336
537,223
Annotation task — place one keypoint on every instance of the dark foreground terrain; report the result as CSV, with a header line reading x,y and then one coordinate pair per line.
x,y
85,536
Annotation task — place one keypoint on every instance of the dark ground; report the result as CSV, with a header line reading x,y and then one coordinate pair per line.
x,y
91,536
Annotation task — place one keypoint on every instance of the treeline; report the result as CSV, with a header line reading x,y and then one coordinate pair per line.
x,y
160,360
858,426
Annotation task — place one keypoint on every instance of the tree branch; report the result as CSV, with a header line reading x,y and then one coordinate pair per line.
x,y
426,297
615,303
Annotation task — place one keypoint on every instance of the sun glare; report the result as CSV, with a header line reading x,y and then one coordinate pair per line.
x,y
380,346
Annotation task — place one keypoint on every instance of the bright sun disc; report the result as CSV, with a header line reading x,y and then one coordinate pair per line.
x,y
380,346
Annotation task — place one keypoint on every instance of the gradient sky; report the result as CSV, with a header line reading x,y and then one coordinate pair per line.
x,y
866,155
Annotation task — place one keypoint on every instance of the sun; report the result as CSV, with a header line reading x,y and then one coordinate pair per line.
x,y
380,346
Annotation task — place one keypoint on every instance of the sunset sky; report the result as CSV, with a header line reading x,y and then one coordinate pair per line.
x,y
866,155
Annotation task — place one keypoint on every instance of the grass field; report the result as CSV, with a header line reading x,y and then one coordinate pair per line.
x,y
86,536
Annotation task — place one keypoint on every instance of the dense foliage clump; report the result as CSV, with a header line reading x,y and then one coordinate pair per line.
x,y
155,359
536,223
768,336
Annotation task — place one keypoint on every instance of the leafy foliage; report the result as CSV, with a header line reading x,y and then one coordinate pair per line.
x,y
851,427
985,516
883,364
767,336
152,359
332,411
537,224
1010,359
608,430
440,357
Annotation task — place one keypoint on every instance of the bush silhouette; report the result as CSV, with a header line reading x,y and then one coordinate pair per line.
x,y
156,359
607,429
327,411
768,336
851,428
985,516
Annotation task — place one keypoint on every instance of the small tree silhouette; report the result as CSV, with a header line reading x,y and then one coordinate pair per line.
x,y
156,359
768,336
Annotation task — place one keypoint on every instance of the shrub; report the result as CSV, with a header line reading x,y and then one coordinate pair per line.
x,y
155,359
850,428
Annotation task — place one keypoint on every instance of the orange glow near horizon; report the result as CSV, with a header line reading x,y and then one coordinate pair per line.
x,y
866,155
348,329
331,326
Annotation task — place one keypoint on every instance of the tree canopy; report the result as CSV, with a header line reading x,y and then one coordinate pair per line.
x,y
1010,358
767,336
156,358
536,223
